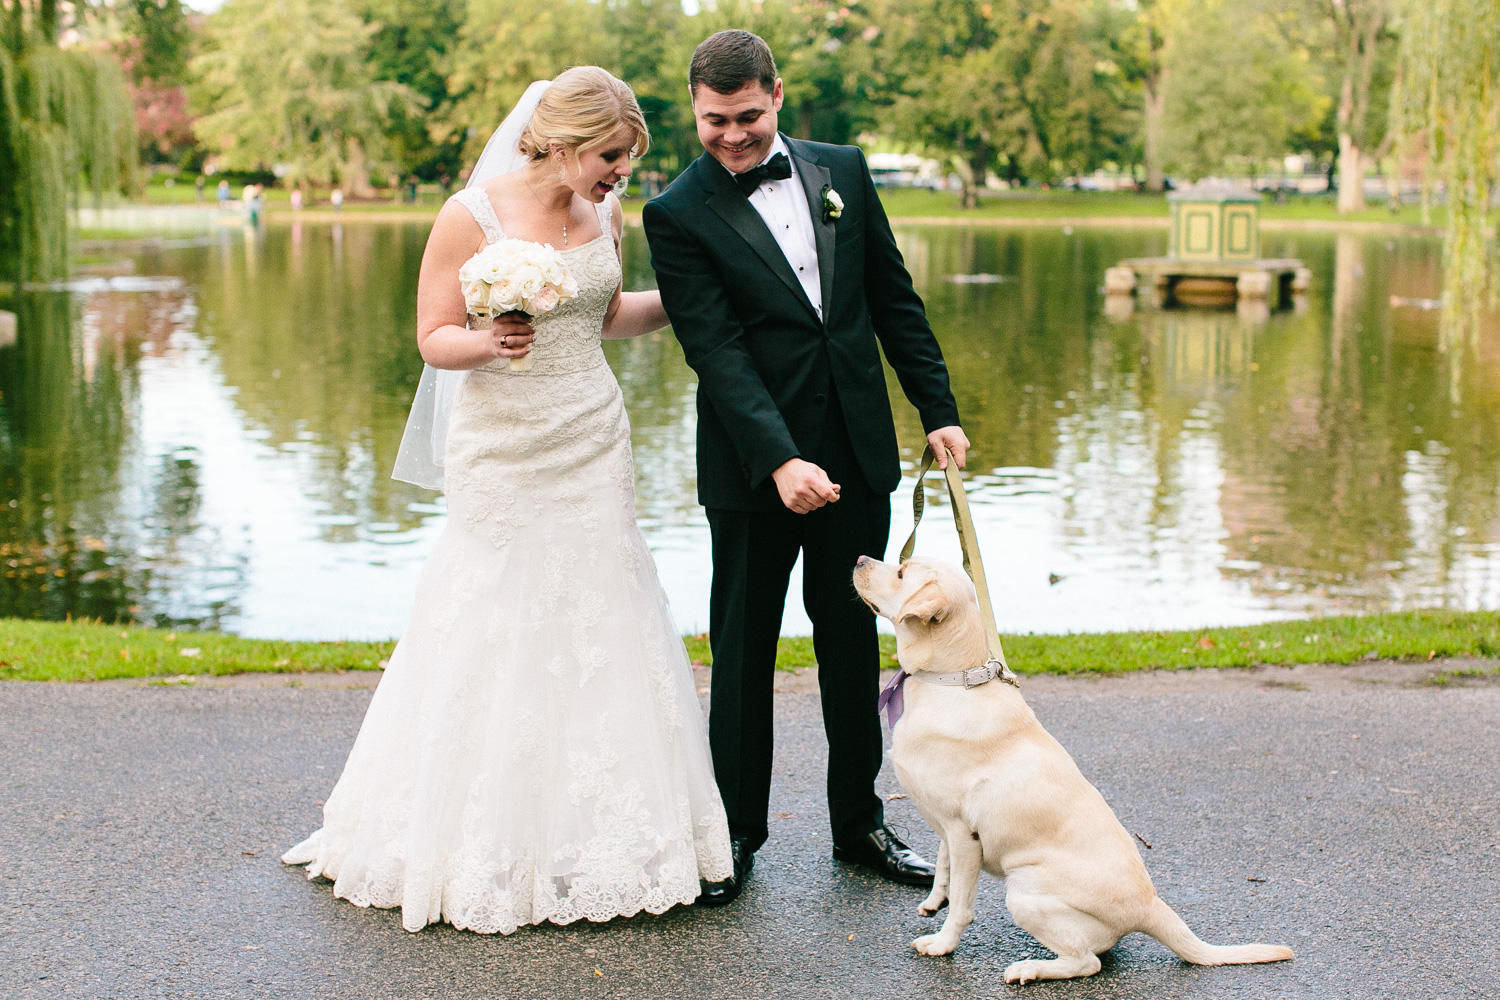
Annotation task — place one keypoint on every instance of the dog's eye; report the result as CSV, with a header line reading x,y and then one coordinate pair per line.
x,y
900,571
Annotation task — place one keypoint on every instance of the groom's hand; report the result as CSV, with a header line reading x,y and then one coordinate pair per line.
x,y
803,486
952,438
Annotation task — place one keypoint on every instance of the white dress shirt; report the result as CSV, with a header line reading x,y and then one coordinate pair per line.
x,y
783,205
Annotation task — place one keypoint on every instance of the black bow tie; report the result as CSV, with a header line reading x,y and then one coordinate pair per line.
x,y
777,168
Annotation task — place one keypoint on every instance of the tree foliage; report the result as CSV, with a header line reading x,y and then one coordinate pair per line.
x,y
289,84
412,45
154,54
1016,86
503,46
1237,88
1031,90
160,38
66,124
1450,96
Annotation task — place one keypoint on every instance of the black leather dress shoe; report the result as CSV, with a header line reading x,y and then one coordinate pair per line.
x,y
727,891
883,851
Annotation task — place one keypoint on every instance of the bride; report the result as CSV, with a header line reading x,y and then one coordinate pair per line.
x,y
535,749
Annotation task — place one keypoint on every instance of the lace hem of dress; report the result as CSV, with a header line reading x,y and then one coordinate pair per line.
x,y
473,900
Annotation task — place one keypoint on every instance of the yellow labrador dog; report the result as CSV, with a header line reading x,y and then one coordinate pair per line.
x,y
1005,796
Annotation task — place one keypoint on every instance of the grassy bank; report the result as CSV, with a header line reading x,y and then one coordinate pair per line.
x,y
79,651
86,651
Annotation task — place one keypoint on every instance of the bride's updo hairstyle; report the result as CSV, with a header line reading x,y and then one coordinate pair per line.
x,y
583,108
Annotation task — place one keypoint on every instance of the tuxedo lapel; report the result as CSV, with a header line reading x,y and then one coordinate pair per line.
x,y
730,204
815,178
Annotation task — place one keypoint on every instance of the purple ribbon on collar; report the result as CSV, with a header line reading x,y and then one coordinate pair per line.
x,y
892,702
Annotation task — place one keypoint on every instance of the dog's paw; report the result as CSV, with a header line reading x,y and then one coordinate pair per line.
x,y
931,905
935,944
1022,972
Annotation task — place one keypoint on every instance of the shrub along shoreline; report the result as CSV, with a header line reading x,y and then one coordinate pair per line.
x,y
91,651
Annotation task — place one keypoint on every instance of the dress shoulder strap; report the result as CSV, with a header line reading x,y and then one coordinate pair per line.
x,y
605,212
478,203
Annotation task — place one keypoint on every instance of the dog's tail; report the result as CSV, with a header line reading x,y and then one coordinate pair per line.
x,y
1166,926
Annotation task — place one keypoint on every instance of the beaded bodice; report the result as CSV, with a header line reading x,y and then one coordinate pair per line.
x,y
568,338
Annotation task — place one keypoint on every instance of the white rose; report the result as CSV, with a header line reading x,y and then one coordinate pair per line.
x,y
530,279
544,301
505,295
476,296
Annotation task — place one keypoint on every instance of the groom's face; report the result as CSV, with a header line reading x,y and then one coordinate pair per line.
x,y
738,128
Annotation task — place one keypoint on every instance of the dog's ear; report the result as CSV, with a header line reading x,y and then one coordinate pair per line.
x,y
928,602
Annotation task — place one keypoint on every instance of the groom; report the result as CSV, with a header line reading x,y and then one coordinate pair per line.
x,y
778,270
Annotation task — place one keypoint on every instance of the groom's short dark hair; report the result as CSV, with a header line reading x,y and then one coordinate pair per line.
x,y
727,61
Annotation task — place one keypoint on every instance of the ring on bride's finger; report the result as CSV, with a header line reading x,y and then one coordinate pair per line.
x,y
505,341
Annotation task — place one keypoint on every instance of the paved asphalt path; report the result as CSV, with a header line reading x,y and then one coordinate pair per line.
x,y
140,828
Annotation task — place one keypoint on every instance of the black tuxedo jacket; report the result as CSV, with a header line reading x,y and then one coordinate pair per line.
x,y
768,366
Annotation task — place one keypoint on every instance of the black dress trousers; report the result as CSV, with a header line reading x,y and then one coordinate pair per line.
x,y
753,555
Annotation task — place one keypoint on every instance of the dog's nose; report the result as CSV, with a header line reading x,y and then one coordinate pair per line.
x,y
861,560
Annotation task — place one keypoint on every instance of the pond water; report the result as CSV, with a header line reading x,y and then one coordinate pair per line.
x,y
207,441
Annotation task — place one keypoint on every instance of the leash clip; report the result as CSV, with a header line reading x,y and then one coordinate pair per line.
x,y
1003,672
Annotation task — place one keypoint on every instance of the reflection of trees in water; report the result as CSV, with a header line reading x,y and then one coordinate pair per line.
x,y
60,453
189,577
1017,349
318,339
73,540
1318,455
1350,477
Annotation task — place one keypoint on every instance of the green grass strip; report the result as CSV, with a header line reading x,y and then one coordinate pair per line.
x,y
86,651
1416,635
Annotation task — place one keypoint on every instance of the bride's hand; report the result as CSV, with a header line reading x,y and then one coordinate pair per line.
x,y
511,335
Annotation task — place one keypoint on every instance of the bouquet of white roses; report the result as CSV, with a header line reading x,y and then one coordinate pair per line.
x,y
515,276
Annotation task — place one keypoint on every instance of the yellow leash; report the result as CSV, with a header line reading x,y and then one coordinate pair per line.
x,y
973,564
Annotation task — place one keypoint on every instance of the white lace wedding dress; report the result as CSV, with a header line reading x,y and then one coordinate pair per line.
x,y
535,750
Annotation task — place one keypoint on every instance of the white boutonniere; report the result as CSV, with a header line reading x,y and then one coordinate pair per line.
x,y
833,205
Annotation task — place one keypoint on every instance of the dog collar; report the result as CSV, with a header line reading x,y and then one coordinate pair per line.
x,y
973,677
893,702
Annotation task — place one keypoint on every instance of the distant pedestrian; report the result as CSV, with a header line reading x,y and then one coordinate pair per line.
x,y
198,186
337,198
296,199
223,190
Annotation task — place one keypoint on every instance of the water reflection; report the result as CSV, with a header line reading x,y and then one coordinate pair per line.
x,y
214,450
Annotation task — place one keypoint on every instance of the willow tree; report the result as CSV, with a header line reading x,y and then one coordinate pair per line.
x,y
1449,96
66,125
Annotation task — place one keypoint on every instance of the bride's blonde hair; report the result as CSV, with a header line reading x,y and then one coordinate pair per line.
x,y
584,108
